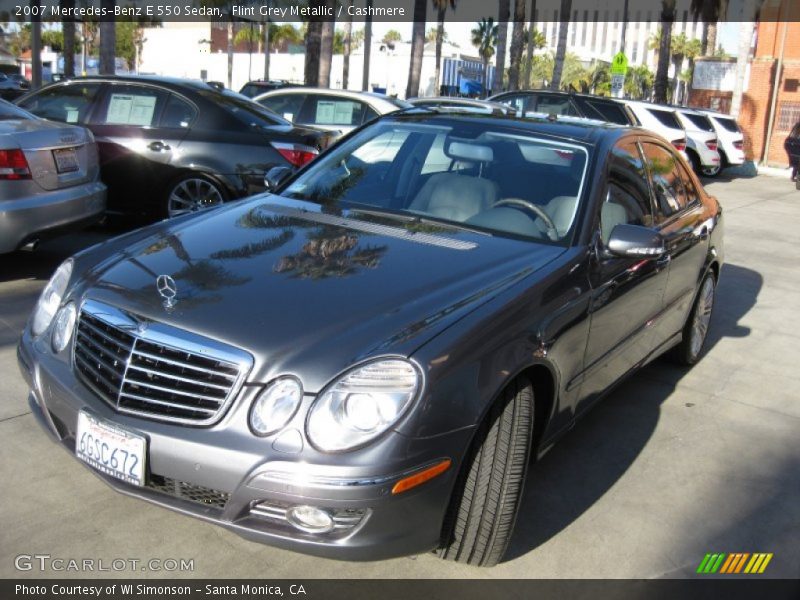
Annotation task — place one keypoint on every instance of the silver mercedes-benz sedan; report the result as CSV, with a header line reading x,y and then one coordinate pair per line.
x,y
49,178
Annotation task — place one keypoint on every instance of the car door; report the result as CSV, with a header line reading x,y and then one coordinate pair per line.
x,y
682,221
135,151
627,294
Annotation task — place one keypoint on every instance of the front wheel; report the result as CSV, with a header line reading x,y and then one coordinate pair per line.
x,y
484,507
192,193
696,329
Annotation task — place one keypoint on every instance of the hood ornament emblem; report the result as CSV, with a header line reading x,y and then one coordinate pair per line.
x,y
168,290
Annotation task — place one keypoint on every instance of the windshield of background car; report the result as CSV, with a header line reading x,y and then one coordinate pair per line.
x,y
244,110
466,173
9,111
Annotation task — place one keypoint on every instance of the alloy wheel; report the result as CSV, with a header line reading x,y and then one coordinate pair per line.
x,y
192,195
702,316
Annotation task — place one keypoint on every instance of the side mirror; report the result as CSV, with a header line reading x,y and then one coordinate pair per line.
x,y
635,241
275,177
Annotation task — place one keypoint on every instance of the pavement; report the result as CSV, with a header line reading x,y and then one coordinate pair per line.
x,y
672,465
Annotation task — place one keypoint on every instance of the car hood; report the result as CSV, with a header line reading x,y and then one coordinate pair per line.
x,y
308,292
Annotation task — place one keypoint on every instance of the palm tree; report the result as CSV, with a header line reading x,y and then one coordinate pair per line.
x,y
638,82
348,39
248,35
108,41
326,45
662,72
36,50
561,47
313,46
441,8
266,48
502,35
517,42
677,55
484,38
367,47
710,12
536,41
68,31
417,47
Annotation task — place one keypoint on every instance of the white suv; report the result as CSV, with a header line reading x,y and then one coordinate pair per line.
x,y
661,120
731,138
701,142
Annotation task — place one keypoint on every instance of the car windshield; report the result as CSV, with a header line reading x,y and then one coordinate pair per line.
x,y
9,111
244,109
449,171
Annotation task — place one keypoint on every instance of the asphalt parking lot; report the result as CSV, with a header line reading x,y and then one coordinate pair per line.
x,y
672,465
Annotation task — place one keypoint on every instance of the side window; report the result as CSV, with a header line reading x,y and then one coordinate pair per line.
x,y
134,105
178,113
520,102
369,114
287,105
559,105
382,148
68,103
669,187
628,198
329,110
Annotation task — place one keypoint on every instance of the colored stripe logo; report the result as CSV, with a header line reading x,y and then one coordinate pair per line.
x,y
734,563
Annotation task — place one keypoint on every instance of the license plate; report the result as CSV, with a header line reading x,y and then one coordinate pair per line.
x,y
66,160
110,449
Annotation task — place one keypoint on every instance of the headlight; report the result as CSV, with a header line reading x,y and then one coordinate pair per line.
x,y
362,404
276,405
50,299
63,327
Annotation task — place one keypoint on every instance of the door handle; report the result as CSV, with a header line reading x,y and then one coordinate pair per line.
x,y
158,146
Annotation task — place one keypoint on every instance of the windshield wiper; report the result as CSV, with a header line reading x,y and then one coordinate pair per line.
x,y
418,219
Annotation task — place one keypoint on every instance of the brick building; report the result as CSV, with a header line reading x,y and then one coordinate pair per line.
x,y
777,17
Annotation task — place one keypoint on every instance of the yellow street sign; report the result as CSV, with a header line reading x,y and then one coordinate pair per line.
x,y
619,64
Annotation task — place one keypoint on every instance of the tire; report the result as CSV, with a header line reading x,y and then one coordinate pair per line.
x,y
191,192
695,160
486,499
695,331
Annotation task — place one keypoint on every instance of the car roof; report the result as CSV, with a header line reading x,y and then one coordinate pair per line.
x,y
373,98
169,82
608,99
587,131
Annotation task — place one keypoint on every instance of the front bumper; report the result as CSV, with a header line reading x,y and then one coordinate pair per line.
x,y
212,474
22,219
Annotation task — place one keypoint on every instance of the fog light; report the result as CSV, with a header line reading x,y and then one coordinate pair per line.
x,y
63,327
310,519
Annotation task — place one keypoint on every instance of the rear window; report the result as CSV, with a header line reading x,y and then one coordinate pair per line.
x,y
666,118
729,124
243,110
703,123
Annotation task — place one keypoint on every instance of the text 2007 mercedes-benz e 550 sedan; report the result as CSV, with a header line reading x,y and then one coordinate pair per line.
x,y
361,364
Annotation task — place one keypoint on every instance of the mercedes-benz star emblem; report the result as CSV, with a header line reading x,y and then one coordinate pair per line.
x,y
168,290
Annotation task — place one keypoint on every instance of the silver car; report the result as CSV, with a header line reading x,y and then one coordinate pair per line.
x,y
49,178
332,110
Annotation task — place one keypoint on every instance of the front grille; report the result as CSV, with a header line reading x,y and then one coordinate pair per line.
x,y
188,491
153,370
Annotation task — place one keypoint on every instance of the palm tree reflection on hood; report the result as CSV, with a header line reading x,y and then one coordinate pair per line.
x,y
330,252
203,274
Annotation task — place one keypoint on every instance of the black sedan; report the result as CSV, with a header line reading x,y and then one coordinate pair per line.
x,y
361,364
171,146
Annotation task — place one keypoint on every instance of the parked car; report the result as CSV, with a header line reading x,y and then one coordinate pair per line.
x,y
171,146
701,142
570,104
730,136
49,178
254,88
338,111
662,121
11,87
362,364
467,105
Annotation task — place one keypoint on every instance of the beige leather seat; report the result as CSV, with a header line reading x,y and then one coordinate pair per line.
x,y
455,197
